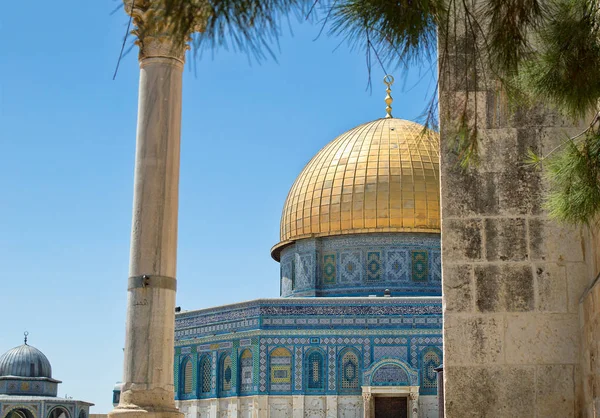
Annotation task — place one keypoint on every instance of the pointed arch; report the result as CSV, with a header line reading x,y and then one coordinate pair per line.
x,y
349,371
225,373
280,370
246,369
431,357
186,375
314,371
205,375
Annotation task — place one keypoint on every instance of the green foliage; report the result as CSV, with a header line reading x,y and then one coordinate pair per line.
x,y
249,26
402,31
536,50
565,70
574,178
510,24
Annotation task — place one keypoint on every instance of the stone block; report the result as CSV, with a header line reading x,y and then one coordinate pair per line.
x,y
496,150
489,392
554,242
578,279
504,288
472,339
552,287
532,338
468,192
520,190
456,294
461,240
505,239
555,394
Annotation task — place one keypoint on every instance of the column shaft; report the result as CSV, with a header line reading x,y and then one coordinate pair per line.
x,y
148,372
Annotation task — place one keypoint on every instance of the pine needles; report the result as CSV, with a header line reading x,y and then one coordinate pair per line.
x,y
565,70
537,50
574,179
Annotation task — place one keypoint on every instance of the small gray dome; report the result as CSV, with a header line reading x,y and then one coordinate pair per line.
x,y
25,361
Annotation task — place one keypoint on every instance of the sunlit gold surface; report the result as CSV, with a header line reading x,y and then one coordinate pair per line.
x,y
382,176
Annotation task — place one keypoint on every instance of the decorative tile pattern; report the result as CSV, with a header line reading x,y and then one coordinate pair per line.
x,y
351,267
246,372
373,266
329,269
420,266
435,266
397,265
286,276
304,271
281,370
390,375
226,373
360,271
205,375
349,371
331,363
314,371
431,360
298,377
390,351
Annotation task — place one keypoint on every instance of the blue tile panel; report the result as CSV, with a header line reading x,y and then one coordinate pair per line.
x,y
361,265
316,345
310,314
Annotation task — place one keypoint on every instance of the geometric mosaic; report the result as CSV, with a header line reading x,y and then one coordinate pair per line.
x,y
420,265
329,268
373,266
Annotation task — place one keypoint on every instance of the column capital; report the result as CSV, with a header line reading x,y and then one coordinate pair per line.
x,y
159,35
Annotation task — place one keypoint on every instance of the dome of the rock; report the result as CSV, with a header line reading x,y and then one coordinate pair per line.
x,y
382,176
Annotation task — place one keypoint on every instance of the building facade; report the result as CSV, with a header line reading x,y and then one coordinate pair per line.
x,y
27,389
357,331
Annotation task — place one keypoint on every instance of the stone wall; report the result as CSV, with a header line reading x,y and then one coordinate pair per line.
x,y
589,314
512,278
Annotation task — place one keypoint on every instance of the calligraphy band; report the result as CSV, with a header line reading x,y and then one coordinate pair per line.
x,y
150,280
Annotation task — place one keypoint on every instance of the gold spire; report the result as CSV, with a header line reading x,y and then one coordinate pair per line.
x,y
388,80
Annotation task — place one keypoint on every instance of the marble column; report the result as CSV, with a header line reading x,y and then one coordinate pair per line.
x,y
148,381
369,410
413,405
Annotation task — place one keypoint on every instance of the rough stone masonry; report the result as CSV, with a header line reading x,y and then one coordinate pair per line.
x,y
512,278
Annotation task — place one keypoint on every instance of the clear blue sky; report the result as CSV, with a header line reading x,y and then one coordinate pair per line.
x,y
67,138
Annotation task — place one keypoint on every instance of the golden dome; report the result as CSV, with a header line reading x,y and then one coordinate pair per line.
x,y
382,176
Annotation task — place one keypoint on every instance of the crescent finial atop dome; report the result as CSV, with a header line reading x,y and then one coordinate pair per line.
x,y
388,80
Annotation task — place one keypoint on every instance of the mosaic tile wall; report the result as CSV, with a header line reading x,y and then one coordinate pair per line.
x,y
360,265
352,337
333,365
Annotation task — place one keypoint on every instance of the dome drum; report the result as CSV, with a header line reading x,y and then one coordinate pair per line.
x,y
362,265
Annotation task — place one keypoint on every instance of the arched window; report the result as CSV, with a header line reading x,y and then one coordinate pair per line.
x,y
314,371
186,376
280,363
390,375
58,412
82,414
349,372
225,373
430,359
20,413
246,371
205,375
